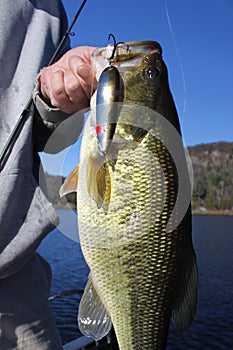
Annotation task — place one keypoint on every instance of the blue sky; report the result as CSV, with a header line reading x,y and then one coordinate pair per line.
x,y
197,41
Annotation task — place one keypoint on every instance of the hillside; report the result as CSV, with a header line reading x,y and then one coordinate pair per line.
x,y
53,184
213,180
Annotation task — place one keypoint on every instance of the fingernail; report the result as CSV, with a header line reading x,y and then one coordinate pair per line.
x,y
83,72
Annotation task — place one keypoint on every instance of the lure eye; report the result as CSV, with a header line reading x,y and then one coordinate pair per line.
x,y
151,73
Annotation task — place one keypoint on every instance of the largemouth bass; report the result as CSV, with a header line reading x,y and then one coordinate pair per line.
x,y
137,240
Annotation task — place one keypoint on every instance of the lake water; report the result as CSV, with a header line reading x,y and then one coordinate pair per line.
x,y
212,327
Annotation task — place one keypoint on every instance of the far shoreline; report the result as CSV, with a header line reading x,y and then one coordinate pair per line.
x,y
220,212
198,211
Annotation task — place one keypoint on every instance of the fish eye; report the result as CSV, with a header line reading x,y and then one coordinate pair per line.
x,y
151,73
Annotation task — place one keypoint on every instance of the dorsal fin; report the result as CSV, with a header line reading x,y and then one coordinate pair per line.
x,y
185,309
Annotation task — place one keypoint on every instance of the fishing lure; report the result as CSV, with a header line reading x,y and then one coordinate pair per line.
x,y
109,92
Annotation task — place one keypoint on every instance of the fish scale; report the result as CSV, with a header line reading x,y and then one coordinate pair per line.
x,y
134,274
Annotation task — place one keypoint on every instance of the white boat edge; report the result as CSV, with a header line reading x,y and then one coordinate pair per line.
x,y
79,343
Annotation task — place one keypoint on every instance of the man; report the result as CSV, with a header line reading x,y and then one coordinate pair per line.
x,y
30,30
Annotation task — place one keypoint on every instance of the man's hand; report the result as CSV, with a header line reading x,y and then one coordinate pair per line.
x,y
67,84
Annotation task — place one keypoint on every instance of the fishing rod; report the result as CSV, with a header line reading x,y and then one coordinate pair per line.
x,y
25,114
66,293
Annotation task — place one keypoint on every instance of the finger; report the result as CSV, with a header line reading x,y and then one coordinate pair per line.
x,y
45,86
75,92
62,89
81,68
72,85
85,81
88,80
74,62
57,93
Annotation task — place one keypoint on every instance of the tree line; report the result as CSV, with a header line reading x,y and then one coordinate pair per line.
x,y
213,181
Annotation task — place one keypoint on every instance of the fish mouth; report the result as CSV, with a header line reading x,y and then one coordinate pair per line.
x,y
128,55
144,46
128,50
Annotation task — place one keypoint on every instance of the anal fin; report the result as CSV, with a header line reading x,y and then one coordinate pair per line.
x,y
93,319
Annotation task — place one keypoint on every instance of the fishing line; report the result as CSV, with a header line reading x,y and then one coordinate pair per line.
x,y
178,57
187,156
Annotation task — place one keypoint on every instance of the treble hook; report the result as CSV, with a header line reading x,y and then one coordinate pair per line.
x,y
115,46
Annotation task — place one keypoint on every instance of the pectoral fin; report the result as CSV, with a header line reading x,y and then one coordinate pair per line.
x,y
186,305
93,319
98,181
71,182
